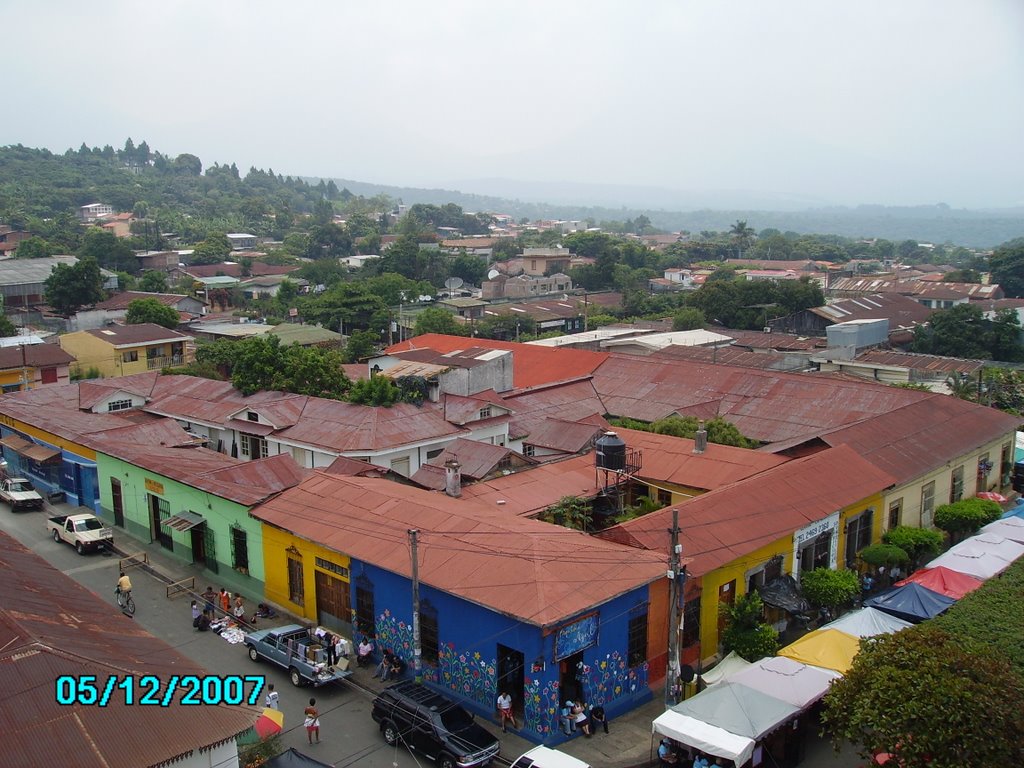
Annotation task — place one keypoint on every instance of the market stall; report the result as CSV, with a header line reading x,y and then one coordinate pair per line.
x,y
1009,527
707,738
943,581
828,648
868,622
1000,546
973,560
911,602
730,665
783,678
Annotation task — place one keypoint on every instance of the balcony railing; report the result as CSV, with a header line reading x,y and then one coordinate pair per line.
x,y
165,362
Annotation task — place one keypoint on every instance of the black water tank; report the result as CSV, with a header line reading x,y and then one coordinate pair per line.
x,y
1018,477
610,452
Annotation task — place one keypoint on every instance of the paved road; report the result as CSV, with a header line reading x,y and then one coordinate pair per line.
x,y
348,734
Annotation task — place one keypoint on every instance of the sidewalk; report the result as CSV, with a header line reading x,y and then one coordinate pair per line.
x,y
628,744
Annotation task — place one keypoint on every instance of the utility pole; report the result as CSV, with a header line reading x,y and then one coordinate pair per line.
x,y
417,651
24,369
672,670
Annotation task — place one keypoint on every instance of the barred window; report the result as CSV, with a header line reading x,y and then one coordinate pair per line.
x,y
428,633
637,647
239,549
327,565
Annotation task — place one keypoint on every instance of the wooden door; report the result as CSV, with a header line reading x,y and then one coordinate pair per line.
x,y
332,603
117,502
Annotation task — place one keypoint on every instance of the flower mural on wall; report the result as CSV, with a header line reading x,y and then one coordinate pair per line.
x,y
610,678
467,674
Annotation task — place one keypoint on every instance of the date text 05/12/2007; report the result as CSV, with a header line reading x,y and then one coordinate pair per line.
x,y
150,690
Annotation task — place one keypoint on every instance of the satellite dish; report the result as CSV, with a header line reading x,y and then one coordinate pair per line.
x,y
686,673
452,283
493,274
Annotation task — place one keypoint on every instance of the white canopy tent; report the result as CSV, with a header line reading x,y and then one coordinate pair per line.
x,y
707,738
779,677
1000,546
730,665
1011,528
868,622
972,560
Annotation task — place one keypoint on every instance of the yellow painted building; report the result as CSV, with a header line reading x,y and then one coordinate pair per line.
x,y
831,542
307,579
28,366
121,350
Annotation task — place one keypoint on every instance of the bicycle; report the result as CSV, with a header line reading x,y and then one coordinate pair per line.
x,y
125,601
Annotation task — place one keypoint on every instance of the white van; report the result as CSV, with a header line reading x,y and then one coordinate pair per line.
x,y
544,757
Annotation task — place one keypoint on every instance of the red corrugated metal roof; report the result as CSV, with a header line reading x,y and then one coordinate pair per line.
x,y
122,300
932,363
531,365
36,355
908,442
769,406
731,522
141,333
573,401
534,571
562,435
52,626
728,356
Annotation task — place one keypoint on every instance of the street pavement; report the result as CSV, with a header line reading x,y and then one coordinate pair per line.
x,y
349,737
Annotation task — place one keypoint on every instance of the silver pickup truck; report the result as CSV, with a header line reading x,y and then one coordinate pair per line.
x,y
298,650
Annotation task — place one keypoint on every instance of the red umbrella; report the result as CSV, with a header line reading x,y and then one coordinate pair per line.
x,y
270,723
993,496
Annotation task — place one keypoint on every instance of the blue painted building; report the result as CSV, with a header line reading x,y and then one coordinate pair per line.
x,y
506,603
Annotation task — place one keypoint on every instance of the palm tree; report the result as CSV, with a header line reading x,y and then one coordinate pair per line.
x,y
742,235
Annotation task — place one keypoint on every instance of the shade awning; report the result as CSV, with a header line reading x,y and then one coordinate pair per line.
x,y
40,452
15,443
183,521
788,680
707,738
828,648
868,622
728,666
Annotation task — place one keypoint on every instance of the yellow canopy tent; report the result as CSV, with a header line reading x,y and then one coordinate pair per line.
x,y
828,648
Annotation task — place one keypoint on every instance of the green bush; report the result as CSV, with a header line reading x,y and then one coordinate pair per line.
x,y
967,515
884,554
992,615
745,630
826,588
918,543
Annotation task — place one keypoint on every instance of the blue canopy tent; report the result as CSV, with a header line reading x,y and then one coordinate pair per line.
x,y
911,602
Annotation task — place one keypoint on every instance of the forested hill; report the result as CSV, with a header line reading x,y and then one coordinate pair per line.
x,y
183,196
925,223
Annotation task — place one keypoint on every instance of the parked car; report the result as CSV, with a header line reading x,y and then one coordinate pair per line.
x,y
545,757
295,648
86,533
19,493
427,722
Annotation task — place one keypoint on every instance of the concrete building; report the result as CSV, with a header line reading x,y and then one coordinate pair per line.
x,y
121,350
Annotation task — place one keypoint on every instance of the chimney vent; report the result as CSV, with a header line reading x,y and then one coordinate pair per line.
x,y
700,440
453,478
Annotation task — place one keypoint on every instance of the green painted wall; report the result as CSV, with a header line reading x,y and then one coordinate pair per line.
x,y
219,513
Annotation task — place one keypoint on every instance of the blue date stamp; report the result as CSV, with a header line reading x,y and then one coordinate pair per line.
x,y
150,690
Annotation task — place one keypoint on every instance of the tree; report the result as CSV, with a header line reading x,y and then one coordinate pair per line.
x,y
378,391
966,516
569,512
930,700
7,328
34,248
957,332
437,320
213,250
70,287
1007,267
745,629
360,345
109,251
886,555
188,165
918,543
742,235
152,282
151,311
688,319
829,589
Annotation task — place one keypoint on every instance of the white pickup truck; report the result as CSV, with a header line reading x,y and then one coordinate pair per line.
x,y
19,493
84,532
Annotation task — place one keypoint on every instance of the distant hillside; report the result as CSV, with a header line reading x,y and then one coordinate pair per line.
x,y
930,223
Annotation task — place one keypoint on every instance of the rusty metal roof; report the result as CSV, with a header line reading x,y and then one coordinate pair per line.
x,y
930,363
141,333
768,406
729,523
539,573
52,626
477,460
901,311
531,365
123,299
571,401
728,356
35,355
909,441
563,435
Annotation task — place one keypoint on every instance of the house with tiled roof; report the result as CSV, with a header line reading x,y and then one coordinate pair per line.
x,y
54,629
121,350
547,612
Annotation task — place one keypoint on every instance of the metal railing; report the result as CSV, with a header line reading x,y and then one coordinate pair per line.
x,y
164,362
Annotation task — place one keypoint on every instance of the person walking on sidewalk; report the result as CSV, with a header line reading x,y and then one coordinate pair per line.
x,y
225,600
272,699
210,597
505,711
312,721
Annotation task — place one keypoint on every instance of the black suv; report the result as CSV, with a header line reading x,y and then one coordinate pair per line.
x,y
412,714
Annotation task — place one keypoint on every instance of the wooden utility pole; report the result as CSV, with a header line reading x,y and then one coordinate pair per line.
x,y
417,651
672,668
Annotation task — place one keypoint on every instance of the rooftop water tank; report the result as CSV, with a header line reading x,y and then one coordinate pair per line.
x,y
610,452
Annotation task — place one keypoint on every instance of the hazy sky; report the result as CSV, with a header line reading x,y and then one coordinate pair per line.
x,y
845,101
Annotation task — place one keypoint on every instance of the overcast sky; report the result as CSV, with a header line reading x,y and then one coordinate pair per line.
x,y
843,101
